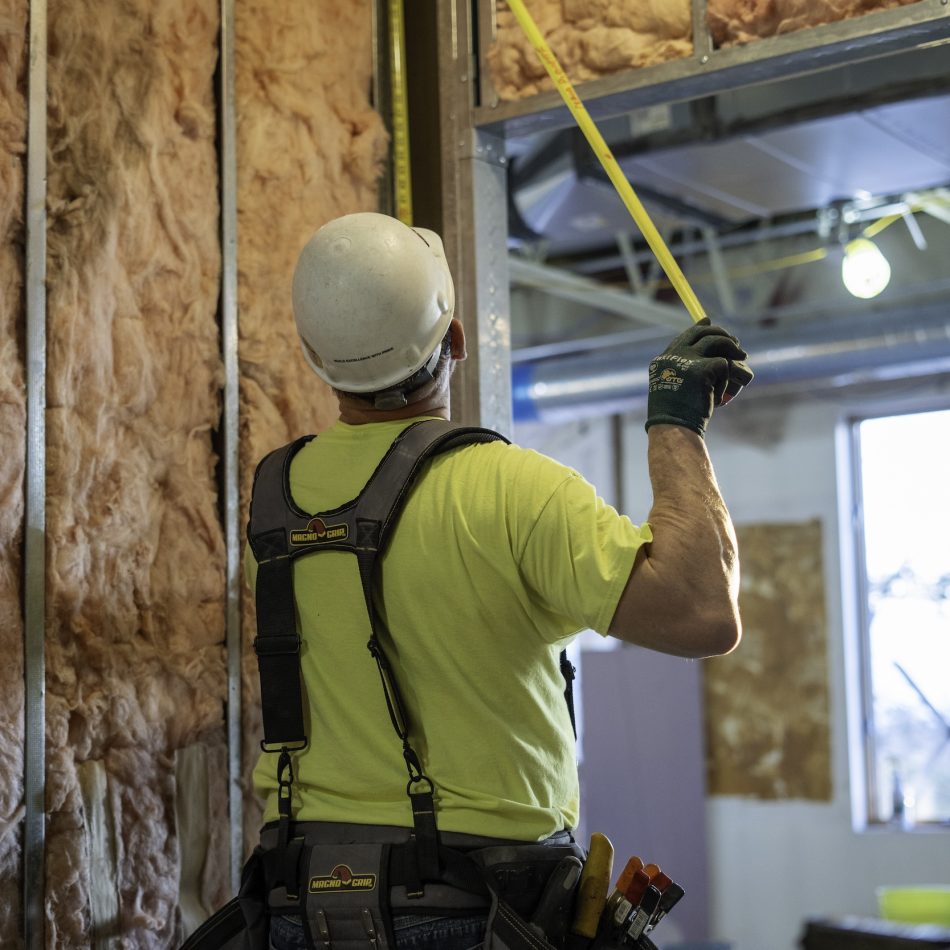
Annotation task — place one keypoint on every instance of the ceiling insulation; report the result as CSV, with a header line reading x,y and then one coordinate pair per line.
x,y
742,21
597,38
591,38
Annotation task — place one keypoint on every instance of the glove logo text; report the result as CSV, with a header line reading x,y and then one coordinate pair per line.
x,y
667,378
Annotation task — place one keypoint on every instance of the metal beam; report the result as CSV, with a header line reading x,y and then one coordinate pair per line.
x,y
584,290
231,432
892,344
489,229
727,299
710,71
935,203
474,224
630,264
795,226
34,560
382,97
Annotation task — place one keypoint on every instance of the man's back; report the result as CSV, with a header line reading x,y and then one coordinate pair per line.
x,y
500,555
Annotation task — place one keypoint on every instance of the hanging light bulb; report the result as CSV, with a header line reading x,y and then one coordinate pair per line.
x,y
864,270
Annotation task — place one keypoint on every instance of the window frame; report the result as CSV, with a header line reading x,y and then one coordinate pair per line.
x,y
864,780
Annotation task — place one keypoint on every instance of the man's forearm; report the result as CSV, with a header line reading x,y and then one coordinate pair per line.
x,y
682,597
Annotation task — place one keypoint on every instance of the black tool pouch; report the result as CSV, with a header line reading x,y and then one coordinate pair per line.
x,y
518,878
507,930
346,899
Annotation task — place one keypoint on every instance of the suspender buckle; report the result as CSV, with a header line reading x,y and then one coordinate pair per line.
x,y
293,745
414,766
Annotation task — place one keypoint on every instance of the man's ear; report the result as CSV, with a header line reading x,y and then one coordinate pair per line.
x,y
458,339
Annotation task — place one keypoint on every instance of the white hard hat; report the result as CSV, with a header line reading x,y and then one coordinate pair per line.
x,y
372,300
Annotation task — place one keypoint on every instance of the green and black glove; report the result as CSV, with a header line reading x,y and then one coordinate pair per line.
x,y
704,367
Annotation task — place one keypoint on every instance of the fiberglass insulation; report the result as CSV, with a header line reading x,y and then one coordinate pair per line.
x,y
309,148
591,38
739,21
135,585
13,61
136,680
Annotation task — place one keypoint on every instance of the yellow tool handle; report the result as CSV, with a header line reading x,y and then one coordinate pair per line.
x,y
595,883
606,157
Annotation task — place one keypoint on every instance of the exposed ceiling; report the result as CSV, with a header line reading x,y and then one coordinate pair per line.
x,y
864,131
872,152
738,184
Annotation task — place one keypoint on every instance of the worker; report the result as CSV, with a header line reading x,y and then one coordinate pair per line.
x,y
499,558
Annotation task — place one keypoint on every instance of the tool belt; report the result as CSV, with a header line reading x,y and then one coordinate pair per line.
x,y
527,897
352,879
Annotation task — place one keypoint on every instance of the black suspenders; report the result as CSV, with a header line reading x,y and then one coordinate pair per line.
x,y
278,532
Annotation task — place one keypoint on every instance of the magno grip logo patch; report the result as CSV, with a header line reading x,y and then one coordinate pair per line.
x,y
342,878
319,532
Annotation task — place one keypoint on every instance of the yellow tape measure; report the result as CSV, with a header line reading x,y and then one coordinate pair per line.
x,y
606,157
402,181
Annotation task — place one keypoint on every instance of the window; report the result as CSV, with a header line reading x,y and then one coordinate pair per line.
x,y
902,487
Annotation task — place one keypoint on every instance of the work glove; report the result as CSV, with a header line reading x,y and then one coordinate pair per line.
x,y
704,367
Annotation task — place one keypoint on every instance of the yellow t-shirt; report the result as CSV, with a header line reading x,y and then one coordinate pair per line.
x,y
500,556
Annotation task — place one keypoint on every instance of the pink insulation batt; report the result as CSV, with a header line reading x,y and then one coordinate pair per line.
x,y
310,148
136,674
13,64
135,597
740,21
594,38
591,39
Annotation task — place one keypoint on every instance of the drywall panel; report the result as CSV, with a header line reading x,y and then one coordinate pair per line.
x,y
591,38
309,148
13,65
767,704
135,597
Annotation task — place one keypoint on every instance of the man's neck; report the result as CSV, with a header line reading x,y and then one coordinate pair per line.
x,y
357,412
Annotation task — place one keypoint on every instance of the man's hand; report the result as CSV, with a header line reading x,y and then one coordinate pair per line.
x,y
704,367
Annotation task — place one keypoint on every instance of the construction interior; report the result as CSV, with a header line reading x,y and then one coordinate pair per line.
x,y
163,162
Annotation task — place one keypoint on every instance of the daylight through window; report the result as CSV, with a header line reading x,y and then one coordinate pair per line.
x,y
903,489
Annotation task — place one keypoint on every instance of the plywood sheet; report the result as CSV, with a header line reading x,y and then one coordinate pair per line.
x,y
767,703
13,62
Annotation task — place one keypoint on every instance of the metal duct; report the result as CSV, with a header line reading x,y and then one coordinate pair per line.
x,y
897,345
